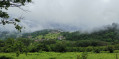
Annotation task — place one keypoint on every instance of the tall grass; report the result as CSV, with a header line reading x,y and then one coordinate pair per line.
x,y
67,55
116,56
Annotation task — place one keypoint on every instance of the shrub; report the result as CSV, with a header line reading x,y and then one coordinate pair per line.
x,y
97,50
78,57
104,51
84,55
116,51
110,49
17,53
52,58
4,57
89,49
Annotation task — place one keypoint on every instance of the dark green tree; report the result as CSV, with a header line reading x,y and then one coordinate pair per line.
x,y
110,49
9,45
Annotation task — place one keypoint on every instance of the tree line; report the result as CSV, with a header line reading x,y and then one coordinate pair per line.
x,y
24,45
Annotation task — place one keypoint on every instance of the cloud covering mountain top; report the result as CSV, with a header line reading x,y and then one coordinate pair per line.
x,y
84,15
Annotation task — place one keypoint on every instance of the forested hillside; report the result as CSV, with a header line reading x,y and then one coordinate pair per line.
x,y
60,41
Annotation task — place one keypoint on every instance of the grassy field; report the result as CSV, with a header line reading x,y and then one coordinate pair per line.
x,y
68,55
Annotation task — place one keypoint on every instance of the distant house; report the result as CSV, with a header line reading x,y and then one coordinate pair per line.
x,y
60,38
29,37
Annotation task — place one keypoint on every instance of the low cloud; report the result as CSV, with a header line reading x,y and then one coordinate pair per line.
x,y
71,15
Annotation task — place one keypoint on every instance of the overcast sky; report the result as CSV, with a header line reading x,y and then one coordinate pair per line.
x,y
69,15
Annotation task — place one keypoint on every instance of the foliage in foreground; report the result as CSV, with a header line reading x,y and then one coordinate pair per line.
x,y
4,57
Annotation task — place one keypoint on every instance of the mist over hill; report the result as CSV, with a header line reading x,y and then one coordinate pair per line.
x,y
112,29
70,15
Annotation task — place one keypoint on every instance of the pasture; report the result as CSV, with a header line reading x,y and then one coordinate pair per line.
x,y
67,55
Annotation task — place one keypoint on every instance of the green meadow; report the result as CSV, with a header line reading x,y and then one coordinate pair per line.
x,y
67,55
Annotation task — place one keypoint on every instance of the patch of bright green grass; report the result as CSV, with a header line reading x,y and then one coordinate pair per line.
x,y
55,55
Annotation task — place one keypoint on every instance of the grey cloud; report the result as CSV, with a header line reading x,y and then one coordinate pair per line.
x,y
84,15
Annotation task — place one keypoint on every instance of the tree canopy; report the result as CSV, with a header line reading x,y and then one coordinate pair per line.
x,y
4,16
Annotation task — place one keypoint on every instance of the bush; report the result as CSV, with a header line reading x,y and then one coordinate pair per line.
x,y
89,49
78,57
110,49
17,53
116,51
104,51
52,58
84,55
4,57
97,50
59,47
40,51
